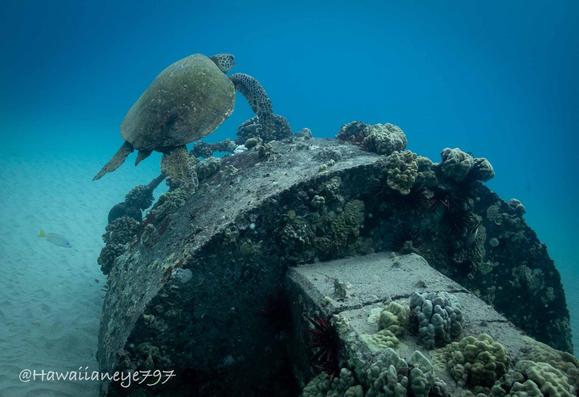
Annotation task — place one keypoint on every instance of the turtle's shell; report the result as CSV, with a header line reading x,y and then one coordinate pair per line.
x,y
185,102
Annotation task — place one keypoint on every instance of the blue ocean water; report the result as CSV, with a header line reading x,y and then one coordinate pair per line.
x,y
498,79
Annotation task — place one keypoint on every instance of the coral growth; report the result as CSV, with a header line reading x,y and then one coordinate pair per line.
x,y
541,371
149,236
536,379
138,199
167,203
401,170
460,166
392,322
207,168
122,209
380,340
426,177
388,376
435,317
394,318
206,150
179,167
324,386
277,128
482,170
392,376
456,164
476,361
563,361
325,234
118,234
517,207
382,139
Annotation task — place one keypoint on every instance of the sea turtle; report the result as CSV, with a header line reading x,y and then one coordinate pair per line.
x,y
186,101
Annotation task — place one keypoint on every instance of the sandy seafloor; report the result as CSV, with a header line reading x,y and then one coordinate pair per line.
x,y
50,297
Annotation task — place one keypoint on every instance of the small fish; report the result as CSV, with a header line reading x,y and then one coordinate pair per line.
x,y
472,231
55,239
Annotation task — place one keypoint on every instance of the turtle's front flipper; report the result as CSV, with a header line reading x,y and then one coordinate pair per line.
x,y
179,167
117,160
255,94
267,125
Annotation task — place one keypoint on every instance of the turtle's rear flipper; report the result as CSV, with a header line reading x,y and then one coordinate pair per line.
x,y
143,154
179,167
117,160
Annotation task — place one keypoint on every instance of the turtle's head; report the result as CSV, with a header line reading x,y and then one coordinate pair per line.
x,y
225,62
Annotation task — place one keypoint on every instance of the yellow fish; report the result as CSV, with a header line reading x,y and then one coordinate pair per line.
x,y
55,239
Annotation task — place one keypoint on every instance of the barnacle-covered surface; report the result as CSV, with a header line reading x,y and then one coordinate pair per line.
x,y
288,203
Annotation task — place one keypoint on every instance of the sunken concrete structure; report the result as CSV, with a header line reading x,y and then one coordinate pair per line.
x,y
355,294
201,285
